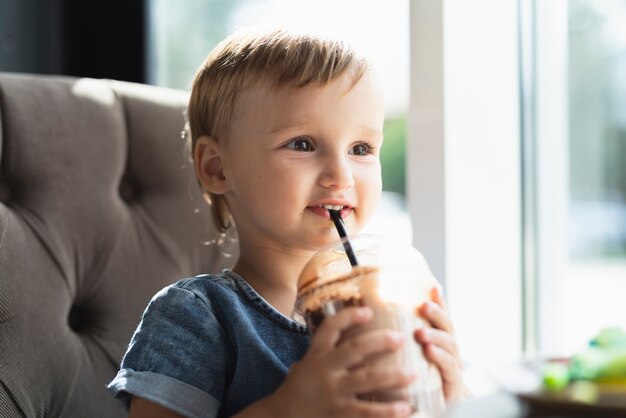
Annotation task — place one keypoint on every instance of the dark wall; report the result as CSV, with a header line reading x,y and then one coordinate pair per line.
x,y
86,38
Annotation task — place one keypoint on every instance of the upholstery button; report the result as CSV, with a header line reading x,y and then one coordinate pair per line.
x,y
128,192
79,319
5,192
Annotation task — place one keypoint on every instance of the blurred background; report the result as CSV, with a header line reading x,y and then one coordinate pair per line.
x,y
505,141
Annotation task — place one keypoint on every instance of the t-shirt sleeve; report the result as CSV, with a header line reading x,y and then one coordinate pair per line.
x,y
178,356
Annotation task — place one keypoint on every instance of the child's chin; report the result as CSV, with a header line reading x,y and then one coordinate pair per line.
x,y
319,240
329,237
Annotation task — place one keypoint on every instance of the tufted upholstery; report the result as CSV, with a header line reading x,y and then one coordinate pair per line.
x,y
98,211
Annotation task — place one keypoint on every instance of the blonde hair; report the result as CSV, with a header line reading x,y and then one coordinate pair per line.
x,y
278,57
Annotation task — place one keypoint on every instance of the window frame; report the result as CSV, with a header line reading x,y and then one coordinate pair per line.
x,y
465,208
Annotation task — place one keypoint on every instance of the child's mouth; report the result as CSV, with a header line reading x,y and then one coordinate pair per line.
x,y
322,210
333,207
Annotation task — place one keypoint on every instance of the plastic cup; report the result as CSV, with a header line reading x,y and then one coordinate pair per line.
x,y
393,279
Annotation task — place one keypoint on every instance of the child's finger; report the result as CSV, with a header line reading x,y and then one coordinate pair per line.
x,y
328,334
449,370
437,316
380,409
378,376
426,336
437,296
354,350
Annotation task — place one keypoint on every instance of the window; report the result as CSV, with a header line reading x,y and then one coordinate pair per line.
x,y
516,181
579,141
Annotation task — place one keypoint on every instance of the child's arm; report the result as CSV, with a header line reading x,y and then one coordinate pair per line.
x,y
440,346
326,382
143,408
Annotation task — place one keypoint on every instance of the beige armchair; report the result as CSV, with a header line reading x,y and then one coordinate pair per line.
x,y
99,209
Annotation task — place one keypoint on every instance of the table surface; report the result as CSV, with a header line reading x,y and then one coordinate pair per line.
x,y
502,405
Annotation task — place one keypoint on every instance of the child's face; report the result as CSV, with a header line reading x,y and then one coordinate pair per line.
x,y
293,149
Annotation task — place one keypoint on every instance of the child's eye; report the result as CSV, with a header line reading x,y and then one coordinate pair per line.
x,y
301,144
361,149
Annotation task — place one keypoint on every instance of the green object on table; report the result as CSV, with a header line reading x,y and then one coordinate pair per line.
x,y
605,357
555,376
609,337
603,361
584,391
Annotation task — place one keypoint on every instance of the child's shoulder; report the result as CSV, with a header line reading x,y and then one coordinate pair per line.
x,y
208,288
223,282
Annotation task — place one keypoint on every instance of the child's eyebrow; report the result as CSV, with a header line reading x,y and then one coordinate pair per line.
x,y
367,131
372,132
288,127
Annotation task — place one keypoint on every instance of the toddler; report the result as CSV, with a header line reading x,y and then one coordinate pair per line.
x,y
284,126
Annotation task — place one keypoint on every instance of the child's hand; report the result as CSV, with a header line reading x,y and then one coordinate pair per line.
x,y
440,346
326,382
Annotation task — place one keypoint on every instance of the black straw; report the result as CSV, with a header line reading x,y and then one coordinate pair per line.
x,y
341,229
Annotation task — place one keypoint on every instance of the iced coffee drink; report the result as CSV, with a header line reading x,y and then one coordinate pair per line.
x,y
393,291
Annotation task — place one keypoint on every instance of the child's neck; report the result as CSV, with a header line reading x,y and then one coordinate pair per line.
x,y
273,274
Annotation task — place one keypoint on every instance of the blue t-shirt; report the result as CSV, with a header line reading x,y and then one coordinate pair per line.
x,y
208,347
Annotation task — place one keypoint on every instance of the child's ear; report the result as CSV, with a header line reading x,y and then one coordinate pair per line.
x,y
209,165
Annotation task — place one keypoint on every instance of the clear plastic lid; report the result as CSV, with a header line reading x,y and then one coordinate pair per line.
x,y
403,273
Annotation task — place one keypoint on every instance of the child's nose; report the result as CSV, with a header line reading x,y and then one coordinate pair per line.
x,y
337,174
